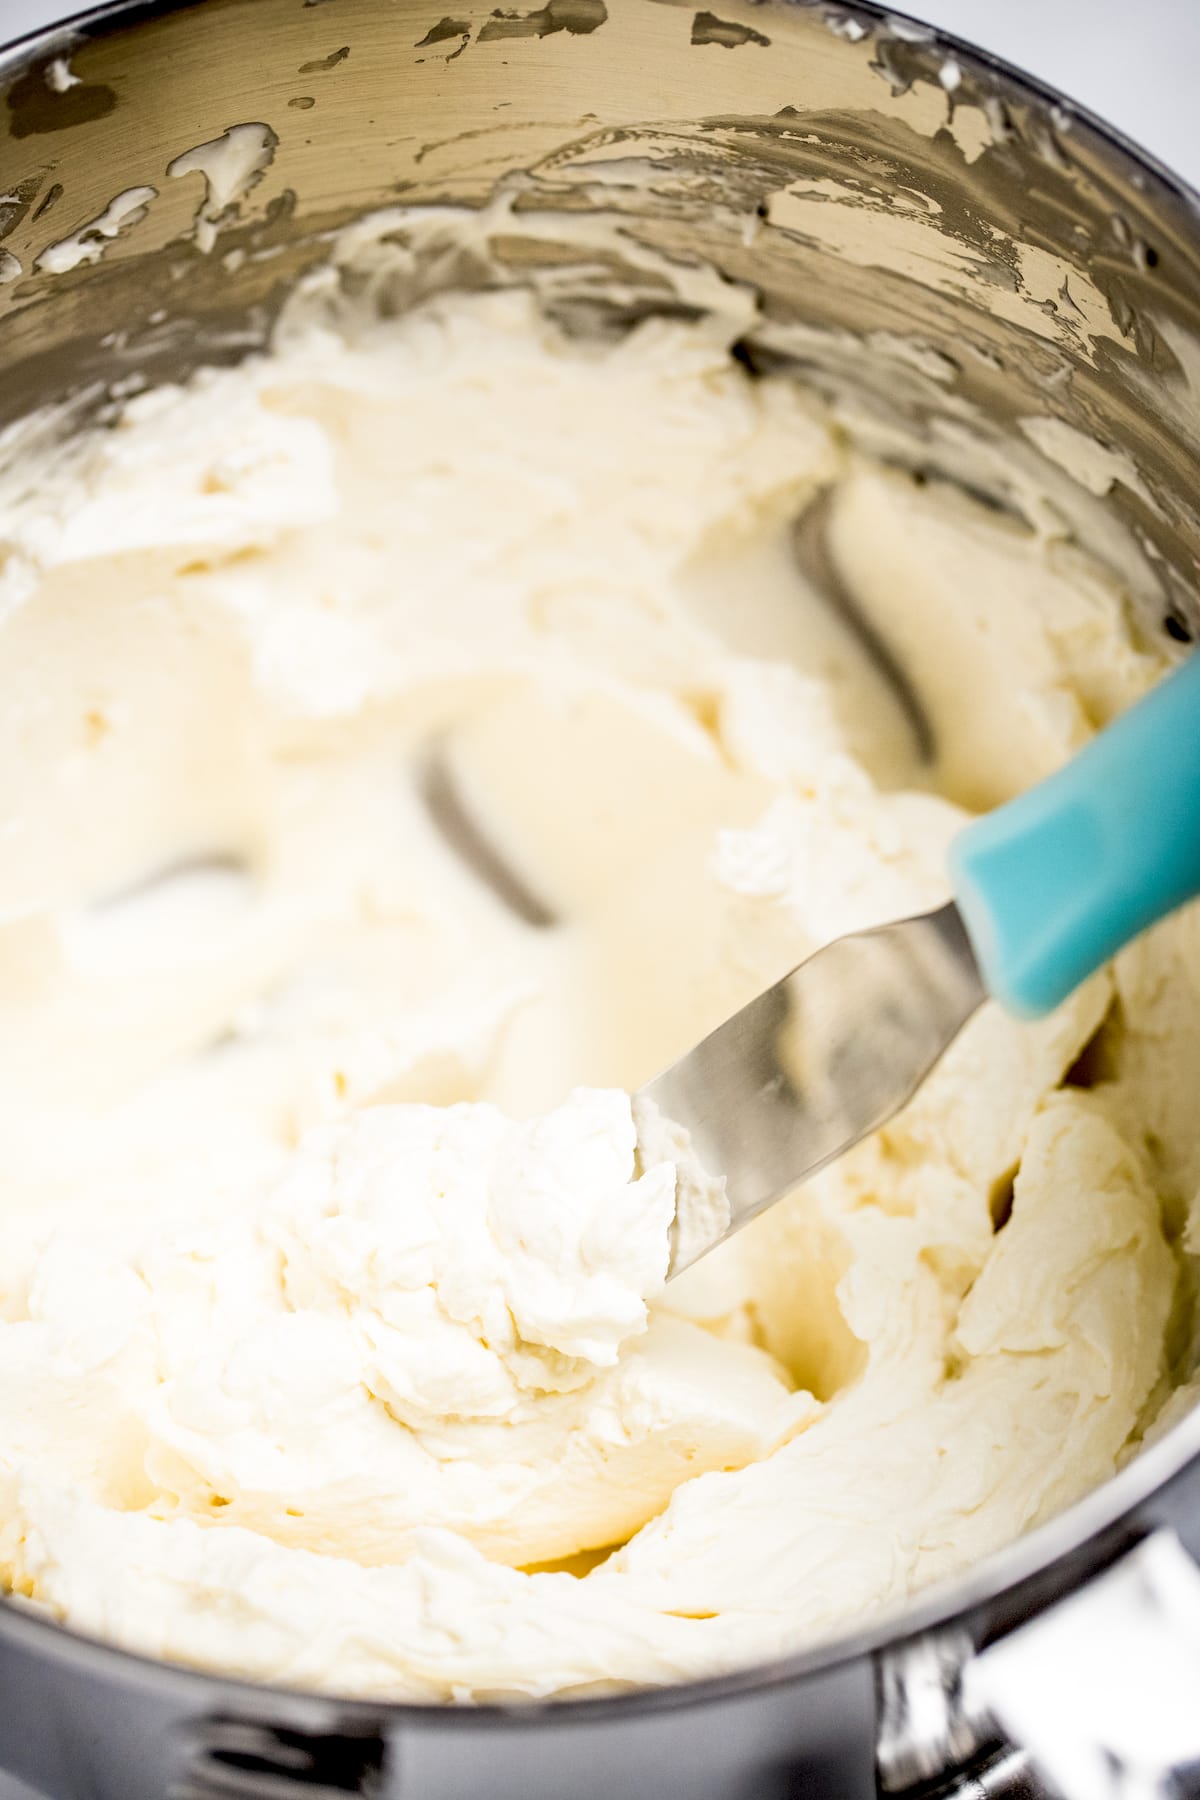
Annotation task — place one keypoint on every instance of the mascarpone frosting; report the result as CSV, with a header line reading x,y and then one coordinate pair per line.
x,y
334,1342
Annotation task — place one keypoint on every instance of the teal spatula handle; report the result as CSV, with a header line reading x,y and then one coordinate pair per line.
x,y
1055,882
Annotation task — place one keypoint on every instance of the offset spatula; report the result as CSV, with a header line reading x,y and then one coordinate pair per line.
x,y
1046,889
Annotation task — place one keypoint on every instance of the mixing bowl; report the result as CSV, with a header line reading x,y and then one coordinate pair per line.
x,y
945,249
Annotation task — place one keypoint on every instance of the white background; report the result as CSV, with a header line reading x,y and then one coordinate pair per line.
x,y
1135,61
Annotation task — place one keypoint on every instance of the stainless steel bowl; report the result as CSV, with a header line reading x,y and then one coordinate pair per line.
x,y
1018,259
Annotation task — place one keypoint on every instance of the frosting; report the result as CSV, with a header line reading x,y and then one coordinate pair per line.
x,y
433,737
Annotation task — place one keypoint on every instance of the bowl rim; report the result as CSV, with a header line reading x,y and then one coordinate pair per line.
x,y
1087,1525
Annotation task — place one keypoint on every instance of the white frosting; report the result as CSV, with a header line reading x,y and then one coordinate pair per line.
x,y
1095,466
89,242
231,165
60,76
334,1346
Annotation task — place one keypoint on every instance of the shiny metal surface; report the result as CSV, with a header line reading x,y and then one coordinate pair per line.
x,y
1015,260
929,1725
1103,1689
809,1067
1006,1776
